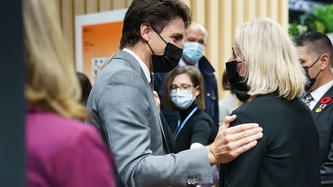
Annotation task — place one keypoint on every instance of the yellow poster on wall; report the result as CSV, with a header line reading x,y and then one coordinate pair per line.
x,y
97,38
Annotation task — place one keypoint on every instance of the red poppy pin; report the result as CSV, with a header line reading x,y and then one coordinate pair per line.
x,y
325,100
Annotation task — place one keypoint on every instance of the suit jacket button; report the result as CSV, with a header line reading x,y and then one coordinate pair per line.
x,y
195,181
189,182
192,182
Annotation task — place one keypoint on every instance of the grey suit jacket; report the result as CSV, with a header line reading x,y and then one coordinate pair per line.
x,y
123,109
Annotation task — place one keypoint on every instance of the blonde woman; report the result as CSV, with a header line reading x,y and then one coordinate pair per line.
x,y
265,64
61,151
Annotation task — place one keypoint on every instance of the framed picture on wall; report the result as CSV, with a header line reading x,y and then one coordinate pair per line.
x,y
97,38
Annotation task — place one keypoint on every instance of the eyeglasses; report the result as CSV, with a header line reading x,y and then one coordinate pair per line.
x,y
235,56
240,64
182,87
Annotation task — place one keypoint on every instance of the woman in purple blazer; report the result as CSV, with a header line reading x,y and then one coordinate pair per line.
x,y
61,150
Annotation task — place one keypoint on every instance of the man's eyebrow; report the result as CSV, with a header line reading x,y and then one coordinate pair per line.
x,y
178,36
202,41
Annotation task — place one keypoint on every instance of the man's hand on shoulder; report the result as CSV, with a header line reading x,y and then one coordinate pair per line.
x,y
231,142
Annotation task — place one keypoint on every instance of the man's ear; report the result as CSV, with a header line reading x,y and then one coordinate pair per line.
x,y
324,61
145,31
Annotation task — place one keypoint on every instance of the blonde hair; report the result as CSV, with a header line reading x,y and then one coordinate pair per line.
x,y
51,82
270,59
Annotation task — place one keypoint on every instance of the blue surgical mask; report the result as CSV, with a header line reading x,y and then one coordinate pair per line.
x,y
182,99
193,51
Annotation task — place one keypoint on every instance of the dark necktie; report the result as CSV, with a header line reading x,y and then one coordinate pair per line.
x,y
151,86
151,83
307,98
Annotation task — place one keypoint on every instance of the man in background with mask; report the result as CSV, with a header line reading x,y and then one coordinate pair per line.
x,y
123,108
315,52
194,45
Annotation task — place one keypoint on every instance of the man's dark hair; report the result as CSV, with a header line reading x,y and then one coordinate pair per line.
x,y
158,13
316,42
85,87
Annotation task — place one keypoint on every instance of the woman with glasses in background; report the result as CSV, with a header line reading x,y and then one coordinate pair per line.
x,y
184,89
183,93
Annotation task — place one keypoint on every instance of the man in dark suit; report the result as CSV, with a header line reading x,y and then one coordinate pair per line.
x,y
123,108
316,55
195,42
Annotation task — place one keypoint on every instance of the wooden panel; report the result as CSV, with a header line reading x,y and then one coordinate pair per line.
x,y
128,3
198,10
119,4
225,40
212,22
250,10
237,13
188,2
91,6
104,5
58,7
212,26
68,25
79,7
272,9
261,8
283,13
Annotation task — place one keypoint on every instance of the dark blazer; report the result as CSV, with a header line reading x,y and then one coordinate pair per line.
x,y
323,116
199,128
288,153
124,110
211,95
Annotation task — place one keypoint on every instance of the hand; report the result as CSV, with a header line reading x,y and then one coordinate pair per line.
x,y
231,142
157,101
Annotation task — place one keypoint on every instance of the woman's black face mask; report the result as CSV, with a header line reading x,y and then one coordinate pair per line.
x,y
236,81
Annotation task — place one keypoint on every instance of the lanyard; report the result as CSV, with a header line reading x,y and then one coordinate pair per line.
x,y
179,127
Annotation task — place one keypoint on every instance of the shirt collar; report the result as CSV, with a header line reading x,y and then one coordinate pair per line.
x,y
318,93
142,64
182,63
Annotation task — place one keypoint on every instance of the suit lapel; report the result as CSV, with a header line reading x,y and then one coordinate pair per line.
x,y
137,68
321,106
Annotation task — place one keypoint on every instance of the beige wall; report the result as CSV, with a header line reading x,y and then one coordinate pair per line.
x,y
221,17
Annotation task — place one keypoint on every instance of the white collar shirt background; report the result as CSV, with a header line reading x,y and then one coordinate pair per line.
x,y
318,93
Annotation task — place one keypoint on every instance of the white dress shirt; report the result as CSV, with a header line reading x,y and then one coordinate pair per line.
x,y
318,93
142,64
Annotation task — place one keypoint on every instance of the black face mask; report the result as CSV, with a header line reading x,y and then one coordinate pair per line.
x,y
310,80
235,80
242,95
167,61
